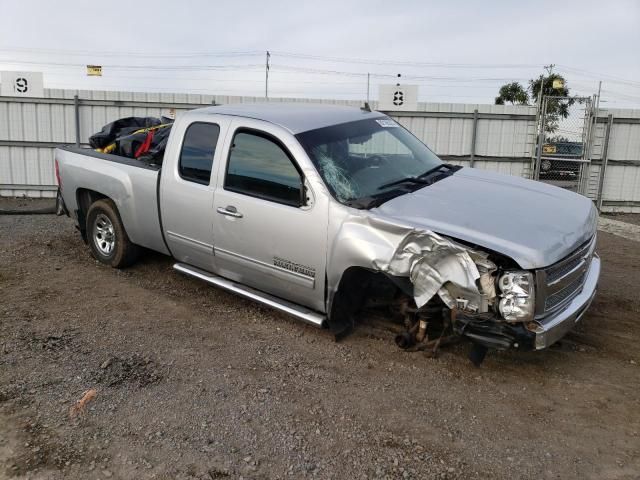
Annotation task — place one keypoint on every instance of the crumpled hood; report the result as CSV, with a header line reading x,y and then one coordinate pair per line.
x,y
533,223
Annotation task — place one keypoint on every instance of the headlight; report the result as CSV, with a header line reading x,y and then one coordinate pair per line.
x,y
517,297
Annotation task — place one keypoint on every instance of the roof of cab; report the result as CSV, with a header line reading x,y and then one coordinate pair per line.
x,y
295,117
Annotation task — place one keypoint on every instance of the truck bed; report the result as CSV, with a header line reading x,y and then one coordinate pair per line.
x,y
130,183
133,162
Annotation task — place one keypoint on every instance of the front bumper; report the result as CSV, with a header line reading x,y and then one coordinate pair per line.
x,y
535,335
550,330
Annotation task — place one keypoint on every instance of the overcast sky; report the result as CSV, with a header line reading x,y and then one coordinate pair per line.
x,y
465,49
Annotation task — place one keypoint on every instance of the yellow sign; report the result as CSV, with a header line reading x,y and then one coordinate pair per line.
x,y
549,149
558,83
94,70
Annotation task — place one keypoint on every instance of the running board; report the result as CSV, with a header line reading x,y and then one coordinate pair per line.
x,y
297,311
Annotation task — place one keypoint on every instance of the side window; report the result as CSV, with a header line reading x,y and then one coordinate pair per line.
x,y
261,168
198,148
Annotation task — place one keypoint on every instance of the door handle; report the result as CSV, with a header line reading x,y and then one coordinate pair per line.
x,y
230,211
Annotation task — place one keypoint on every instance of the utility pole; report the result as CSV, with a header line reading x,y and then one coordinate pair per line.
x,y
540,123
549,69
266,76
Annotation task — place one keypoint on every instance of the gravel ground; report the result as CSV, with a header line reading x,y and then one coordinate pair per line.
x,y
20,204
194,383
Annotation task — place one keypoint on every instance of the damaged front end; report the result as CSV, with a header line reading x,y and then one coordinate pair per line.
x,y
438,289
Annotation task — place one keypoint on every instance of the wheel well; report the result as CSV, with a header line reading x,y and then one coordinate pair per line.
x,y
85,198
361,287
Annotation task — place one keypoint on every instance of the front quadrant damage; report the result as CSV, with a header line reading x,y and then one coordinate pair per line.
x,y
441,289
436,265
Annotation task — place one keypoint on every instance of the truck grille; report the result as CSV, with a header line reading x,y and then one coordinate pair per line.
x,y
562,282
556,272
565,295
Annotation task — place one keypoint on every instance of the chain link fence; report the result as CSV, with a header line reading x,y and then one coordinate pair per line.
x,y
563,152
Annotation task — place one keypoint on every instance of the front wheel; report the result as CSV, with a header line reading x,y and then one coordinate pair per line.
x,y
108,240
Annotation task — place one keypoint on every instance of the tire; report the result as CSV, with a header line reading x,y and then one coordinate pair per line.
x,y
108,240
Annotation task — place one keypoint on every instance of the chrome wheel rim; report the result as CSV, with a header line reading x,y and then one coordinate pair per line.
x,y
104,236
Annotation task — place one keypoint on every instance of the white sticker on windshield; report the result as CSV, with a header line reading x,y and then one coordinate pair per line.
x,y
387,123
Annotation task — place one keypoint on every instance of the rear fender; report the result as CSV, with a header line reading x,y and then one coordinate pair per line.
x,y
84,199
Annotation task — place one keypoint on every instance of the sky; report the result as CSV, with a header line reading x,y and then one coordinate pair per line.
x,y
455,51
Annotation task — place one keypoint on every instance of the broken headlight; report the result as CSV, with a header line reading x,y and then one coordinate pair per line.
x,y
517,297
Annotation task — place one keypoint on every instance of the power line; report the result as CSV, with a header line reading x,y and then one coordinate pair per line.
x,y
286,54
446,82
400,63
620,95
294,69
208,79
287,68
42,51
242,53
600,76
137,67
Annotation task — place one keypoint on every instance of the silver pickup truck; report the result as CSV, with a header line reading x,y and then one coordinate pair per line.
x,y
325,212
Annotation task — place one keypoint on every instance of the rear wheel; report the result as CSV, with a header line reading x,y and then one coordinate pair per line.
x,y
108,240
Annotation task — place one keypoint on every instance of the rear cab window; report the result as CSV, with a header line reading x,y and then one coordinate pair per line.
x,y
259,166
198,150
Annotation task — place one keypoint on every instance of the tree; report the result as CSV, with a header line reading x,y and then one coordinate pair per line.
x,y
513,93
557,108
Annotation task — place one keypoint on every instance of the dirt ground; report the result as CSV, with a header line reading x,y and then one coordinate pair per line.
x,y
633,218
192,382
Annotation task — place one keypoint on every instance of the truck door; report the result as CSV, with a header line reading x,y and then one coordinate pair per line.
x,y
187,189
270,229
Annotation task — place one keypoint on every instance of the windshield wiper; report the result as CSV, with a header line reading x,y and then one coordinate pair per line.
x,y
422,178
378,199
448,166
417,180
365,203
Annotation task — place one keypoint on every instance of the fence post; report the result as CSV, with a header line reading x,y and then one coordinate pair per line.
x,y
76,108
474,135
605,158
589,135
